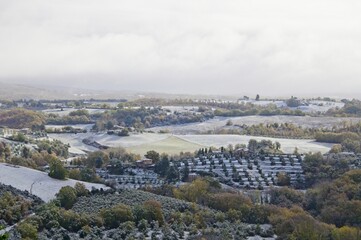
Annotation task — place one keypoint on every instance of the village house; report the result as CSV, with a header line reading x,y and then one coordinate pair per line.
x,y
145,163
192,177
7,132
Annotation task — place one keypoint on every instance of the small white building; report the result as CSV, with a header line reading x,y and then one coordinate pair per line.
x,y
7,132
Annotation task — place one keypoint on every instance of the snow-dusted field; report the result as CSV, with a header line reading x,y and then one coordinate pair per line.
x,y
287,145
78,147
66,111
265,102
218,122
37,182
171,145
88,127
190,133
313,106
130,141
58,111
181,108
320,106
160,141
75,141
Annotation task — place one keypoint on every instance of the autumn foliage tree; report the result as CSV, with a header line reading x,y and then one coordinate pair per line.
x,y
67,197
57,170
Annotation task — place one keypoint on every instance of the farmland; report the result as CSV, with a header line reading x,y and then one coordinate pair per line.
x,y
129,197
311,106
170,145
75,142
133,140
135,143
288,145
189,143
36,182
173,144
219,122
66,111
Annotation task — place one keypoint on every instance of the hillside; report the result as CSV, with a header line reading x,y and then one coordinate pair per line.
x,y
36,182
21,118
9,91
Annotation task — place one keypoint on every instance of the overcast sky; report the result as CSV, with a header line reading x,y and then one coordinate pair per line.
x,y
271,47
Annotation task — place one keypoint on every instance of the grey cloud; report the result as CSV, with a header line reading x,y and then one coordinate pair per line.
x,y
270,47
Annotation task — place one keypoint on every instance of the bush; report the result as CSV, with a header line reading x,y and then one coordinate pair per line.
x,y
155,210
28,231
283,179
114,216
286,197
72,221
75,174
227,201
67,197
81,190
57,170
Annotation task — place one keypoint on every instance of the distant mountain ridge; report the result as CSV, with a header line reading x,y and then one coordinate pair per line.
x,y
9,91
15,91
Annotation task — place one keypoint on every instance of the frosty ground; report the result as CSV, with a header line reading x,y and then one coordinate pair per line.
x,y
37,182
219,122
173,144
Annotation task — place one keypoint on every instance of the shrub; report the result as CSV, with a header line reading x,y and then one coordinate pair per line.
x,y
67,197
57,170
114,216
81,190
28,231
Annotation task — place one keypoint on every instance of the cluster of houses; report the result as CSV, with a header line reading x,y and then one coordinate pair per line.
x,y
242,171
259,172
134,177
139,178
7,132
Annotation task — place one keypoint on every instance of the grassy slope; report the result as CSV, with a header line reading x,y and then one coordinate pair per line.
x,y
36,182
170,145
131,197
288,145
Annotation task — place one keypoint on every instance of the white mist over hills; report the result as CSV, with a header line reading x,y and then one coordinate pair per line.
x,y
18,91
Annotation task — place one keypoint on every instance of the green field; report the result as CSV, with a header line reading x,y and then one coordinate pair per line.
x,y
170,145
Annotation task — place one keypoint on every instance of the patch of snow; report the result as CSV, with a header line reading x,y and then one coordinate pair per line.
x,y
37,182
219,122
287,145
